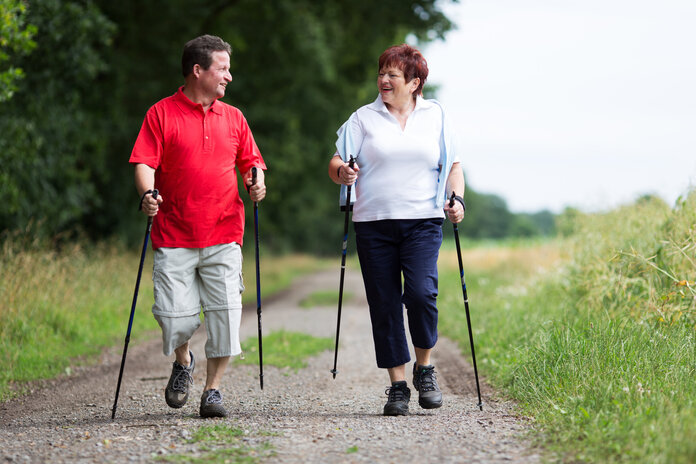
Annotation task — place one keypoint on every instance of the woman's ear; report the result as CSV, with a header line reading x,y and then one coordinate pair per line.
x,y
416,83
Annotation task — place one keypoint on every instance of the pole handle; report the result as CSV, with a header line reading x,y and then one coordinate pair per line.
x,y
155,192
253,175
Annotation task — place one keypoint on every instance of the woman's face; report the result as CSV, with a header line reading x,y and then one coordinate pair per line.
x,y
393,87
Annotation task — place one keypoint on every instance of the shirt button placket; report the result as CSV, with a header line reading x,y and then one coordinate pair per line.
x,y
206,136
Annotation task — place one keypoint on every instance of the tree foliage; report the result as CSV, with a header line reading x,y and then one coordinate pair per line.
x,y
15,40
50,148
300,68
487,216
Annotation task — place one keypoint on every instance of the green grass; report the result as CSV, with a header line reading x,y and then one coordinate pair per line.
x,y
62,308
324,298
597,344
284,349
221,443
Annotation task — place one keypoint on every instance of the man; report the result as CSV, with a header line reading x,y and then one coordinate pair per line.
x,y
188,148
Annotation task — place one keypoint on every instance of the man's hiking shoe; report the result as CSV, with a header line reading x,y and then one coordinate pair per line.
x,y
429,394
397,399
177,392
211,404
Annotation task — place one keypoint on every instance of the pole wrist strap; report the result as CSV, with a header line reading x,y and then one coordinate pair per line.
x,y
140,206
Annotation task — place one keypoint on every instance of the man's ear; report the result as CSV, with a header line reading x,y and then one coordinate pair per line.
x,y
196,70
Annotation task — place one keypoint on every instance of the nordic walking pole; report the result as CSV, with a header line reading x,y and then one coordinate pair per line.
x,y
258,278
132,312
466,305
343,269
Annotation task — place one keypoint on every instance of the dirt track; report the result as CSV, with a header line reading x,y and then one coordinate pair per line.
x,y
305,416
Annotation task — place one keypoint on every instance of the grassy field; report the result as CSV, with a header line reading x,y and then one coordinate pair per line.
x,y
594,335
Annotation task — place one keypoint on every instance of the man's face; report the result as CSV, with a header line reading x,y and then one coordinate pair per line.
x,y
214,80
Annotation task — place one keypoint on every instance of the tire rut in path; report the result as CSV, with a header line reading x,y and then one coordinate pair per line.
x,y
312,417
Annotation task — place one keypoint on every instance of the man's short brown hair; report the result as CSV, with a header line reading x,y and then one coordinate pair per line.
x,y
200,51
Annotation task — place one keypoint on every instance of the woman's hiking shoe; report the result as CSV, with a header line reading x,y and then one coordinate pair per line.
x,y
211,404
177,392
398,396
429,394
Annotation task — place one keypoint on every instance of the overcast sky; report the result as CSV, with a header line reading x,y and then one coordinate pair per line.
x,y
586,103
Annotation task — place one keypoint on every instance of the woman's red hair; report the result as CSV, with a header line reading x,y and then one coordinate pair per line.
x,y
409,60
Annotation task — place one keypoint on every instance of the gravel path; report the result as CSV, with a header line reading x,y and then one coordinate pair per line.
x,y
305,416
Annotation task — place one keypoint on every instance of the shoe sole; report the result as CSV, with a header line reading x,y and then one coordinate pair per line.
x,y
396,412
430,405
174,405
213,413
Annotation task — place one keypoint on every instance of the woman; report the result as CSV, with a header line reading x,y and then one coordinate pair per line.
x,y
406,165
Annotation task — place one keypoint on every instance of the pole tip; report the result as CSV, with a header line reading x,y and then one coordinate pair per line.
x,y
334,372
480,405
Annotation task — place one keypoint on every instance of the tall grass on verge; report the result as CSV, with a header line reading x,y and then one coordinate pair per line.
x,y
639,261
599,348
58,306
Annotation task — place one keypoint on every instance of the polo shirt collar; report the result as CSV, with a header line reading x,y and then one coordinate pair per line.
x,y
379,106
186,104
215,107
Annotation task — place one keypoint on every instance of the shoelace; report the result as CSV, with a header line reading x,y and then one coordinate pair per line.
x,y
426,380
395,394
214,397
183,376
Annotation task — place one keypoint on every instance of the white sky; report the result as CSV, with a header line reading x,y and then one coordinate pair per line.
x,y
584,103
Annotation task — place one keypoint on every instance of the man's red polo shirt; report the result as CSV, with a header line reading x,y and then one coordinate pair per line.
x,y
194,155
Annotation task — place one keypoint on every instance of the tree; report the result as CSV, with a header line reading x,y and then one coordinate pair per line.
x,y
15,41
50,150
487,216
